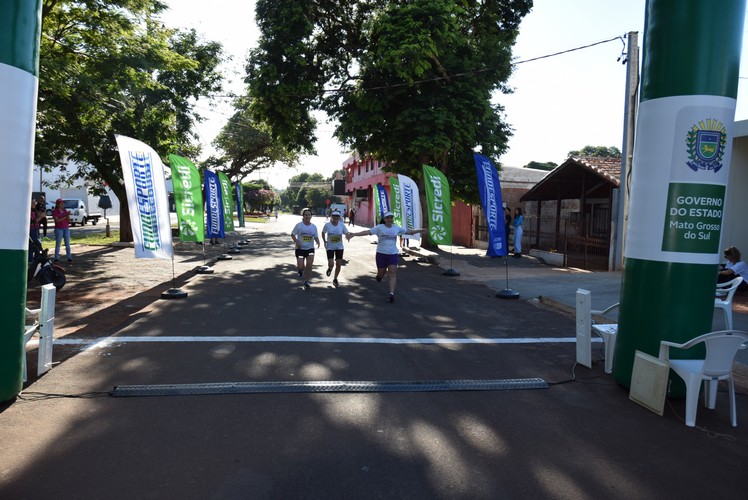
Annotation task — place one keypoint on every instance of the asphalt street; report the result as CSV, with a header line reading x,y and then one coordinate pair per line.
x,y
576,435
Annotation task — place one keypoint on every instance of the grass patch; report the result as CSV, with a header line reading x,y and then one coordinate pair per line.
x,y
254,219
94,238
102,239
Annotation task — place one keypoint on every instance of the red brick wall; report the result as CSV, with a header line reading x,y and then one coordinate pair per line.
x,y
462,224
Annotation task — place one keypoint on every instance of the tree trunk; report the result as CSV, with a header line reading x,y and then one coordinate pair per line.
x,y
125,228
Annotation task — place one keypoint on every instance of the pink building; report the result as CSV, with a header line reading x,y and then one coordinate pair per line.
x,y
362,176
468,221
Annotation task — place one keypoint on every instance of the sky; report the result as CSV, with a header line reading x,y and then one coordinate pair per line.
x,y
559,104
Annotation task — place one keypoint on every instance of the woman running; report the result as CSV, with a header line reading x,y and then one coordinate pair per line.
x,y
387,253
332,236
304,235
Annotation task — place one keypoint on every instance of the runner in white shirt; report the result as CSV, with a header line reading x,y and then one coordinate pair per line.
x,y
332,236
304,235
387,253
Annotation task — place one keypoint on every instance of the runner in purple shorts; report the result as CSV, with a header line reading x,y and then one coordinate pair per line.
x,y
387,253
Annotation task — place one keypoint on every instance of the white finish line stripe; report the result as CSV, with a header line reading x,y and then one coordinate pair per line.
x,y
108,341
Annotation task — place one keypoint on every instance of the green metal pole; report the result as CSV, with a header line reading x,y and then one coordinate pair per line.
x,y
20,28
690,64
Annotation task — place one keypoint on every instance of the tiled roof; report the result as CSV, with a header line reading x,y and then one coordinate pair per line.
x,y
609,168
597,174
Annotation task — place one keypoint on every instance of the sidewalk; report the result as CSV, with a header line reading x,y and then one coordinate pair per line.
x,y
556,287
251,322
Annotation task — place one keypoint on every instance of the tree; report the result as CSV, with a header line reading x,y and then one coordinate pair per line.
x,y
316,197
549,165
110,67
248,146
295,194
602,151
258,195
259,199
410,83
286,200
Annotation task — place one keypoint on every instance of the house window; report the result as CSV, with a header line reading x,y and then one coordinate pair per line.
x,y
600,221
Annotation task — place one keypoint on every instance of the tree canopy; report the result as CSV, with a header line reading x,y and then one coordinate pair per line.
x,y
111,67
247,146
603,151
410,83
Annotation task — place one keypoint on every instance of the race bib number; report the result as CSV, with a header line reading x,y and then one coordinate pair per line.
x,y
306,238
335,238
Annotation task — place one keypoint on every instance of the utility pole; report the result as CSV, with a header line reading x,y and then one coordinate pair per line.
x,y
627,151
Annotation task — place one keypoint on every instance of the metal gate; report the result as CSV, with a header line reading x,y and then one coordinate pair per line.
x,y
587,241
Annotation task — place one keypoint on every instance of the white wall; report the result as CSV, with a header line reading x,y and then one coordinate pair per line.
x,y
76,190
734,227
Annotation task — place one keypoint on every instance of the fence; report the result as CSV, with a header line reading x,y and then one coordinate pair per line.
x,y
584,240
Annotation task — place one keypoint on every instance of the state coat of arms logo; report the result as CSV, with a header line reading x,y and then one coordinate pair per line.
x,y
706,144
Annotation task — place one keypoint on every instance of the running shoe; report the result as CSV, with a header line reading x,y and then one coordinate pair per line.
x,y
307,285
335,283
301,271
391,298
329,271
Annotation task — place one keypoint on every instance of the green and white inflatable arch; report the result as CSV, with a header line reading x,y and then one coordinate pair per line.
x,y
20,28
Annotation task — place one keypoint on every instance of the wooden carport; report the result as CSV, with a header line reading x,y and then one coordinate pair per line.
x,y
583,179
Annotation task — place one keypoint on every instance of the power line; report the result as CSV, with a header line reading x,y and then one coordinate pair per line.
x,y
440,78
474,72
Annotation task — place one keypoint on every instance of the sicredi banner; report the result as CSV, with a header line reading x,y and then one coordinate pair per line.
x,y
227,202
239,191
439,206
143,175
395,202
188,198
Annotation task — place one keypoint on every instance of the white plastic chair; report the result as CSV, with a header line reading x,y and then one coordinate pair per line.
x,y
725,292
608,332
586,325
721,348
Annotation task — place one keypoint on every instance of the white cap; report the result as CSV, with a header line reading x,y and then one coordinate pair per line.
x,y
335,212
388,214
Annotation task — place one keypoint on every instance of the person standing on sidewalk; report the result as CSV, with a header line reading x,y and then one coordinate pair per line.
x,y
387,257
332,236
517,223
352,217
62,229
34,222
304,235
507,223
41,209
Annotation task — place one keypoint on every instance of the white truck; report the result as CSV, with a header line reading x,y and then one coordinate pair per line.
x,y
79,214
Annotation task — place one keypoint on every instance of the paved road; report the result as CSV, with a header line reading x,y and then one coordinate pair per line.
x,y
252,321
